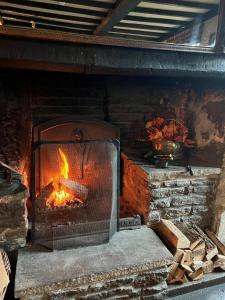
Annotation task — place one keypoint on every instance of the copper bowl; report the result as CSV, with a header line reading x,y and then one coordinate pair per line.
x,y
169,149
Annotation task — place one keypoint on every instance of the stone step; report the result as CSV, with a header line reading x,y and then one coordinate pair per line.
x,y
134,261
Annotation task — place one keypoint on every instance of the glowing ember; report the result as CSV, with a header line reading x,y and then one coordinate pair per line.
x,y
60,197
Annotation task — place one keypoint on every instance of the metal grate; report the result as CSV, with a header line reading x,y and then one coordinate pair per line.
x,y
92,164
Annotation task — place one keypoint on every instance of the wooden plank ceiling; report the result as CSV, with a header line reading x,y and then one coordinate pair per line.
x,y
149,20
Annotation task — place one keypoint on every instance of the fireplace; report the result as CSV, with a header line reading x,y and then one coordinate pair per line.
x,y
74,173
74,183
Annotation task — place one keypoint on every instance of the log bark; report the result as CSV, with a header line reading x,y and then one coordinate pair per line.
x,y
172,235
73,187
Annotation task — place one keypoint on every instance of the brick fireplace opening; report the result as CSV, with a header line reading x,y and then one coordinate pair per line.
x,y
90,148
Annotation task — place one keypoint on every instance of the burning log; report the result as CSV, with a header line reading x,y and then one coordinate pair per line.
x,y
78,190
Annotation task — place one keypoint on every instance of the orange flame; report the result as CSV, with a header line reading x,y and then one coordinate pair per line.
x,y
59,197
64,170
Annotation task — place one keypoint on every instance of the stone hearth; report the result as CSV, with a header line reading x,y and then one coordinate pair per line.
x,y
134,264
170,193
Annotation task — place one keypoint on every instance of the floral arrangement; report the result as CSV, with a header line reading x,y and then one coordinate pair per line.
x,y
162,129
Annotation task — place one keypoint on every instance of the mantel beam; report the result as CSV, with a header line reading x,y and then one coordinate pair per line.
x,y
100,59
120,11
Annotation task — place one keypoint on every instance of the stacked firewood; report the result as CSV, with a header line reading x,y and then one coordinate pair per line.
x,y
195,252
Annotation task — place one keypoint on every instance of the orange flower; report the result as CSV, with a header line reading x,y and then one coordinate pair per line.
x,y
160,128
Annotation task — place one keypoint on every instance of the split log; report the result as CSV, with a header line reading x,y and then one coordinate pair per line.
x,y
199,252
198,233
187,258
211,253
195,243
172,235
207,267
177,277
219,263
187,269
178,255
173,268
196,275
196,254
44,194
216,241
74,188
197,264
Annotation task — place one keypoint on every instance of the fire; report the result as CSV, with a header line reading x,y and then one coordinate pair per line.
x,y
60,197
64,170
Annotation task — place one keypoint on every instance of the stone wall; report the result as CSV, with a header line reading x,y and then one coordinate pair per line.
x,y
169,193
127,102
15,123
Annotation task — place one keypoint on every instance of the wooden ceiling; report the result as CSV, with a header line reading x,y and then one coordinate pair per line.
x,y
149,20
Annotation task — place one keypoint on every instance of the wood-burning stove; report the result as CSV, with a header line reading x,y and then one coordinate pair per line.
x,y
75,165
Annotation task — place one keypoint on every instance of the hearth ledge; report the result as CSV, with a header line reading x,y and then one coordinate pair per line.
x,y
136,259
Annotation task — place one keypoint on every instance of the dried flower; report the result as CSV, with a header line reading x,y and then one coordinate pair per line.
x,y
162,129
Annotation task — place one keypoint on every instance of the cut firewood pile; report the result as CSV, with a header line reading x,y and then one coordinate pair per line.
x,y
196,252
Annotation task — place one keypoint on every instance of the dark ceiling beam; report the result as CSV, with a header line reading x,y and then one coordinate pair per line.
x,y
140,26
122,8
47,15
108,59
155,20
52,8
7,18
71,3
130,37
137,32
165,12
220,35
26,24
93,3
189,4
62,37
201,17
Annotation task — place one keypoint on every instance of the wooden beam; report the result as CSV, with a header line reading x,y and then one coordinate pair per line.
x,y
137,32
46,22
140,26
96,59
36,14
220,35
50,27
72,3
125,37
121,10
51,8
157,11
186,3
155,20
58,36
